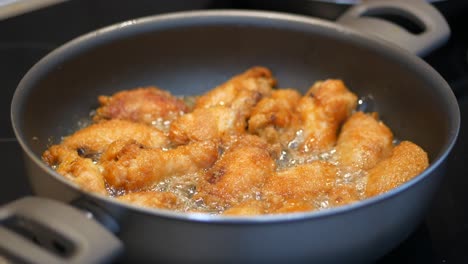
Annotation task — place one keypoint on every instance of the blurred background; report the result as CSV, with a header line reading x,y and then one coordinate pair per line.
x,y
29,29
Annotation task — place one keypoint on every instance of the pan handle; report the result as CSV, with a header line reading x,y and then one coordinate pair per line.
x,y
367,17
40,230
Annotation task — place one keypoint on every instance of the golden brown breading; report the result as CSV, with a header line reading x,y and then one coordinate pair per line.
x,y
238,174
145,105
131,167
322,110
302,182
250,207
240,92
363,141
225,109
95,138
79,170
273,114
341,195
293,206
406,161
270,206
165,200
312,194
213,123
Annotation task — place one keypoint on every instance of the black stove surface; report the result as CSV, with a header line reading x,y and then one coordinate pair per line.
x,y
441,238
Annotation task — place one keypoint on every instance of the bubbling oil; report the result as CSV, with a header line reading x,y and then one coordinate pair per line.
x,y
185,187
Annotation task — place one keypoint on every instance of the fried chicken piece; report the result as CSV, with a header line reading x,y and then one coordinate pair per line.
x,y
273,114
213,123
341,195
250,207
95,138
79,170
307,187
238,174
322,110
240,92
294,206
146,105
296,191
75,157
406,161
278,206
225,109
131,167
363,141
164,200
302,182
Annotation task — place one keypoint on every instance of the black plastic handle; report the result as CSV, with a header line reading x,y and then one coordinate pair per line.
x,y
364,18
40,230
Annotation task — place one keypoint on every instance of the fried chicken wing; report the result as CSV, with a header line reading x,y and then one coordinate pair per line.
x,y
281,195
164,200
95,138
406,161
302,182
250,207
363,141
272,116
324,107
146,105
130,166
271,206
341,195
225,109
293,206
228,182
213,123
79,170
240,92
307,187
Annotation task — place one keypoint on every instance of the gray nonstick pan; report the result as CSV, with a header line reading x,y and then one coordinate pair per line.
x,y
189,53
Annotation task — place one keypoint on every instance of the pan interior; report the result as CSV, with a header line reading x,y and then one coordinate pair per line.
x,y
195,56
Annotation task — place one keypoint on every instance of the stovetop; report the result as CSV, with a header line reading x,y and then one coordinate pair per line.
x,y
441,238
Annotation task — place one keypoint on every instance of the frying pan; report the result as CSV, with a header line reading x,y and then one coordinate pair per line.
x,y
189,53
327,9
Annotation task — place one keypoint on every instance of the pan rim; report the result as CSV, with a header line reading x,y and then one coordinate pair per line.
x,y
136,26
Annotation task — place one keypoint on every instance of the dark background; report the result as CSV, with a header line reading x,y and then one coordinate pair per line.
x,y
441,238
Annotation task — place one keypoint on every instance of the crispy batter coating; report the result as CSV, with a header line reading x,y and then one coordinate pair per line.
x,y
273,203
96,137
228,182
131,167
363,141
322,110
225,109
406,161
294,206
270,206
240,92
79,170
307,187
272,116
145,105
302,182
341,195
165,200
250,207
218,122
